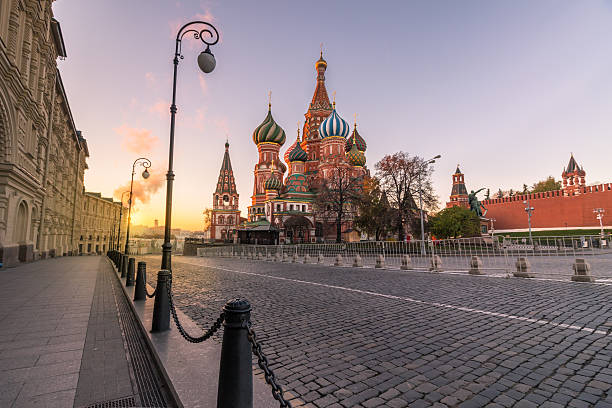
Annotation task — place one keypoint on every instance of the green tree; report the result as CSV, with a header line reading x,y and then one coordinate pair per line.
x,y
549,184
455,222
374,213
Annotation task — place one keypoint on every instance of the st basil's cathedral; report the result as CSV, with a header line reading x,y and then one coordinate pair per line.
x,y
284,191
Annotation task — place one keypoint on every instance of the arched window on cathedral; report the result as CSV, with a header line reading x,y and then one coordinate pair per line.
x,y
230,220
221,219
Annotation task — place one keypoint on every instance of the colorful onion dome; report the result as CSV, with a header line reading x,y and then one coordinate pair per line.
x,y
269,131
355,136
273,183
296,183
356,157
297,153
290,149
334,125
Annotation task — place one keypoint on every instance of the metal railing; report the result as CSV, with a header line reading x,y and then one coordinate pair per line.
x,y
548,255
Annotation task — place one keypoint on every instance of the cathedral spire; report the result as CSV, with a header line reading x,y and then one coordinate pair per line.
x,y
226,183
320,99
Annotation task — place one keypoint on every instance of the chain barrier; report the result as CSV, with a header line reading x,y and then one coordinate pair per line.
x,y
150,295
216,325
262,362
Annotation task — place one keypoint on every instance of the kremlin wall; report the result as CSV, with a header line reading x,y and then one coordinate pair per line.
x,y
569,208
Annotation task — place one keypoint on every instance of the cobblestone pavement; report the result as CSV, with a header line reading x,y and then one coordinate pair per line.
x,y
348,337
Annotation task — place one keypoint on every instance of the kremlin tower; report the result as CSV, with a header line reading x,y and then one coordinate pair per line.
x,y
459,194
573,177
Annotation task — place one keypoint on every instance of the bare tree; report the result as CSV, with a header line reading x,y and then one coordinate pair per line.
x,y
338,194
402,178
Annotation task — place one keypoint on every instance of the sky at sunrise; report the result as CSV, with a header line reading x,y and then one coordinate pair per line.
x,y
507,89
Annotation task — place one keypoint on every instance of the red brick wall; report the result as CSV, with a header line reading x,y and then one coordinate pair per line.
x,y
552,209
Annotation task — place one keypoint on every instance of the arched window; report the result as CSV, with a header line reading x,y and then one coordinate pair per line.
x,y
221,219
230,220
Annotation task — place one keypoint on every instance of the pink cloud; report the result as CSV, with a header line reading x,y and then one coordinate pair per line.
x,y
143,189
136,140
160,108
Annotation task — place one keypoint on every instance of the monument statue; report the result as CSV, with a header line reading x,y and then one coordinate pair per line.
x,y
475,204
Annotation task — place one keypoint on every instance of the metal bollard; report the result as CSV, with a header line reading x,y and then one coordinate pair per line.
x,y
476,266
235,369
140,291
380,262
435,264
582,271
338,261
294,258
161,308
357,262
285,257
320,258
119,261
278,257
124,265
523,268
306,259
129,277
406,262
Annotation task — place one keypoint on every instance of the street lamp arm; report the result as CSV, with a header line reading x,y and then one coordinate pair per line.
x,y
146,163
208,35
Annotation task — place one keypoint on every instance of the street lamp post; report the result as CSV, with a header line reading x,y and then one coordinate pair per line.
x,y
146,163
206,61
600,214
425,164
120,214
529,210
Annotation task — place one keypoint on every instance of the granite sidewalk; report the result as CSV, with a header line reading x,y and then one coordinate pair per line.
x,y
62,337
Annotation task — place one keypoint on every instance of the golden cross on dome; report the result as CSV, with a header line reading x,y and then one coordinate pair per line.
x,y
334,98
298,128
355,119
321,50
269,100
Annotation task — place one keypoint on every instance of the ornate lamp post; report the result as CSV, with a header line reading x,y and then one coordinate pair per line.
x,y
209,35
146,163
600,214
425,164
120,214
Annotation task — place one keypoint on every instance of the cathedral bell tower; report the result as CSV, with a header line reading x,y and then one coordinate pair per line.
x,y
225,213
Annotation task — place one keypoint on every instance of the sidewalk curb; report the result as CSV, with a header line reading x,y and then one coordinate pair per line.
x,y
158,363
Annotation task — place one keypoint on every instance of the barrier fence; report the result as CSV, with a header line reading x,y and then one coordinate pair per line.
x,y
552,256
239,343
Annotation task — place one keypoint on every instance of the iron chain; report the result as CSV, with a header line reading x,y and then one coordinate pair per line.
x,y
152,295
262,362
216,325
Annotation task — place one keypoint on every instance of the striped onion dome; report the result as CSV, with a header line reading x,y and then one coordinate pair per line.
x,y
273,183
355,136
298,154
290,149
269,131
334,125
355,156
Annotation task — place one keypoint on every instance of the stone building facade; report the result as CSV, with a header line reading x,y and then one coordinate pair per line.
x,y
42,155
100,224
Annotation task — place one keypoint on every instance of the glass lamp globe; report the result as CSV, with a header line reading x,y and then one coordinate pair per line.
x,y
206,61
145,174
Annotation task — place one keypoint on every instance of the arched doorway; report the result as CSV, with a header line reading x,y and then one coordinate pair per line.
x,y
297,229
21,223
